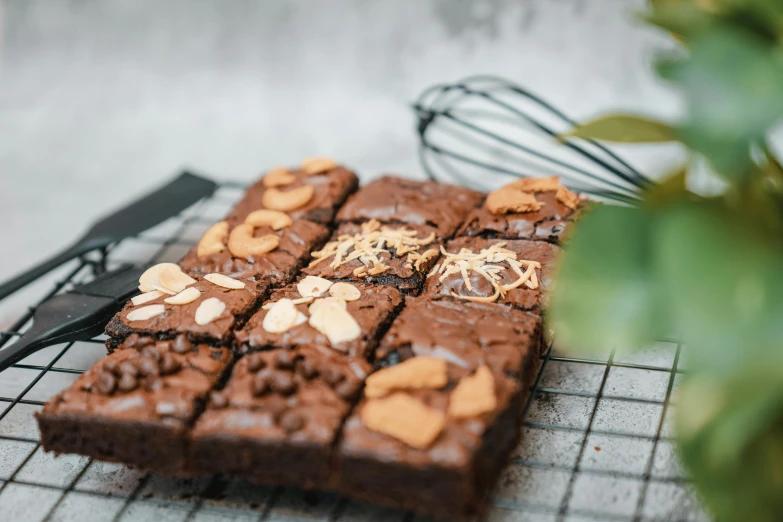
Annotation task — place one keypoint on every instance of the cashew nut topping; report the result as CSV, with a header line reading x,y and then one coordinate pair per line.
x,y
241,242
214,240
272,218
275,199
278,177
313,166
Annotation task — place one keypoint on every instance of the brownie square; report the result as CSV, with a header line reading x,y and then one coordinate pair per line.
x,y
136,405
279,416
275,268
373,311
449,477
392,255
448,281
463,333
399,200
181,319
330,189
550,223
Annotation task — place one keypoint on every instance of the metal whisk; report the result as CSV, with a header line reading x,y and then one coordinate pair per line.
x,y
483,127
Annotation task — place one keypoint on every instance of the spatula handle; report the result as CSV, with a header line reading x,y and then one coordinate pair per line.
x,y
25,278
19,350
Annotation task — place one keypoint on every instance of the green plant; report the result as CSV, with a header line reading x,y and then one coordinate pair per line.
x,y
708,268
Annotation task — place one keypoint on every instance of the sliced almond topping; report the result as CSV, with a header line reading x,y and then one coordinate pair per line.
x,y
278,177
274,219
404,418
186,296
146,297
214,240
327,301
281,317
345,291
509,200
536,184
173,279
312,286
415,373
145,312
301,300
225,281
275,199
313,166
149,279
336,323
473,395
209,310
567,198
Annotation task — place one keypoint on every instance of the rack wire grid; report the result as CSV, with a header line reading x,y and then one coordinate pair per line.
x,y
596,443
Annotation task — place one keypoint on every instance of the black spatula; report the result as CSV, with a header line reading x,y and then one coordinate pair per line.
x,y
154,208
77,315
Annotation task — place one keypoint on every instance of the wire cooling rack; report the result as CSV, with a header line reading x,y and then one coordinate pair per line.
x,y
596,443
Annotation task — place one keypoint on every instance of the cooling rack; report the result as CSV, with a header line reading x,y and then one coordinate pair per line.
x,y
596,443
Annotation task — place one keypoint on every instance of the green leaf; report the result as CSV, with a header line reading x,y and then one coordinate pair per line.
x,y
605,295
732,85
722,279
672,189
623,128
730,440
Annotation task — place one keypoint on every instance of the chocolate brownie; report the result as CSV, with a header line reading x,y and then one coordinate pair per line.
x,y
398,200
279,416
372,307
276,267
431,444
550,222
498,271
136,405
393,255
173,319
463,333
331,186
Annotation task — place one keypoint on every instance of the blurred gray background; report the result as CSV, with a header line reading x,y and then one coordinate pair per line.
x,y
102,99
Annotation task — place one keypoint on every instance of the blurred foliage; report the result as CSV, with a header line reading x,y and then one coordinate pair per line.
x,y
708,268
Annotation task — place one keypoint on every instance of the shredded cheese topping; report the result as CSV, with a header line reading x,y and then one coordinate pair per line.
x,y
488,263
370,243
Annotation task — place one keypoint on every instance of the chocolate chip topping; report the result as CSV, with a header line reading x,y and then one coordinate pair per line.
x,y
106,383
181,344
291,421
283,383
169,364
348,389
110,366
332,375
260,384
284,360
128,368
307,368
255,362
127,382
148,366
153,384
151,351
